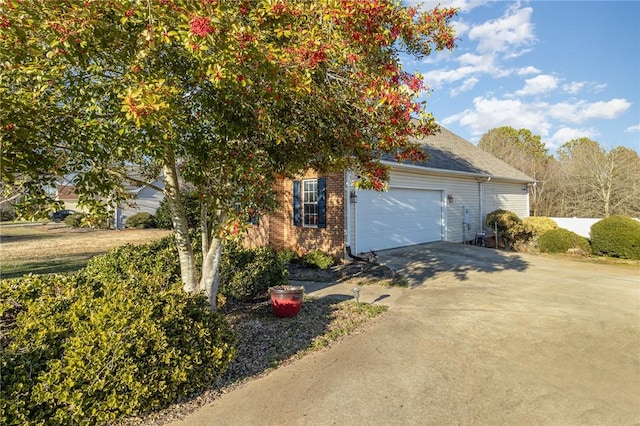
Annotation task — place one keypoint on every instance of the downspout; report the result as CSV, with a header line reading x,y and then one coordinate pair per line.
x,y
347,211
481,196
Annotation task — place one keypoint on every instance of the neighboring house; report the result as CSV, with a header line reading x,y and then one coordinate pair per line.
x,y
143,198
445,198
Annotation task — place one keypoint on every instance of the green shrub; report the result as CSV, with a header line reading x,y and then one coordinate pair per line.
x,y
79,351
74,220
162,217
246,274
140,220
158,258
510,227
531,229
616,236
318,259
562,240
287,256
7,214
539,224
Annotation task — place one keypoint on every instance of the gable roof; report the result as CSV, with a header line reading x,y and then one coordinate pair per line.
x,y
451,153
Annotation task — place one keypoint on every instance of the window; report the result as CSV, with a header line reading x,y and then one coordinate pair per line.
x,y
309,203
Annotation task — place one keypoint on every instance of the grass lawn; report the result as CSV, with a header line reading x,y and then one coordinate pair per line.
x,y
52,247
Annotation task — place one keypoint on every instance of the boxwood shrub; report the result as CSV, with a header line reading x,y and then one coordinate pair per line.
x,y
84,351
562,240
539,224
74,220
142,220
510,227
616,236
319,259
247,274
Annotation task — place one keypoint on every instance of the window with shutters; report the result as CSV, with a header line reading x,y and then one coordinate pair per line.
x,y
310,202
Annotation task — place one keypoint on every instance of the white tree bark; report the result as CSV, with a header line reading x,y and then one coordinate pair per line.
x,y
210,280
188,270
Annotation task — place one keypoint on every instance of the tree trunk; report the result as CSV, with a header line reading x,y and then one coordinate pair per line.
x,y
188,271
210,280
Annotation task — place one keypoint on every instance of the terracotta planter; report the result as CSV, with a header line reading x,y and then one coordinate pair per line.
x,y
286,301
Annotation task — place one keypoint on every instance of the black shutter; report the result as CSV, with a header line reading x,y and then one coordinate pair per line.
x,y
322,202
297,203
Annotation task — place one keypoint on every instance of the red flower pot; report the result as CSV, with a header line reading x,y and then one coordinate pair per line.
x,y
286,301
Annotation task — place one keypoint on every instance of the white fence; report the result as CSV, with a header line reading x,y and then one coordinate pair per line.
x,y
579,225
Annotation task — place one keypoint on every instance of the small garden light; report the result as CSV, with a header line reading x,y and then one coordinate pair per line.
x,y
356,294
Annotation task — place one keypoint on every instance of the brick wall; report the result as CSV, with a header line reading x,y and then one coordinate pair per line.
x,y
283,234
278,231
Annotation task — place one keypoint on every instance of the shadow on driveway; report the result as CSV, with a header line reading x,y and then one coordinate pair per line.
x,y
420,262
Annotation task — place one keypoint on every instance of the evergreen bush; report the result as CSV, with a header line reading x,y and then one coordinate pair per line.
x,y
532,228
246,274
539,224
510,227
162,216
562,240
319,259
616,236
74,220
158,258
82,351
140,220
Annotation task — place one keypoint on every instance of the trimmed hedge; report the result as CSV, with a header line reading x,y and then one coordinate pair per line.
x,y
85,351
510,227
140,220
616,236
539,224
562,240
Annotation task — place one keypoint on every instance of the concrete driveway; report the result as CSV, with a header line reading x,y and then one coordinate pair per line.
x,y
481,337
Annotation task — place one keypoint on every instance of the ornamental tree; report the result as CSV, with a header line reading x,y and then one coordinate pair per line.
x,y
220,96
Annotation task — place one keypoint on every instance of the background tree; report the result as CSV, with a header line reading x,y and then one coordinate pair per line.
x,y
596,183
527,153
221,95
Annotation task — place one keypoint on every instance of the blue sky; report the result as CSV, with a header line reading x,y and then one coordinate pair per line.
x,y
562,69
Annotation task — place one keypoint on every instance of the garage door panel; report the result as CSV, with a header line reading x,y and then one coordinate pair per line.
x,y
397,218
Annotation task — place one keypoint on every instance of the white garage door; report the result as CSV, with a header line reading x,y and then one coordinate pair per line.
x,y
399,217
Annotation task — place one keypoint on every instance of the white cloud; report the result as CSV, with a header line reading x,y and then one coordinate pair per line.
x,y
565,134
577,86
528,70
492,112
460,27
574,87
438,77
539,117
581,111
467,85
511,32
608,110
539,84
633,129
463,5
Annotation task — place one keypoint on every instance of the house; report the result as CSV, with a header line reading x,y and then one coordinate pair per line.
x,y
445,198
142,197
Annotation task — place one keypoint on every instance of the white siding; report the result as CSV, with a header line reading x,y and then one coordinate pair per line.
x,y
507,196
466,193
